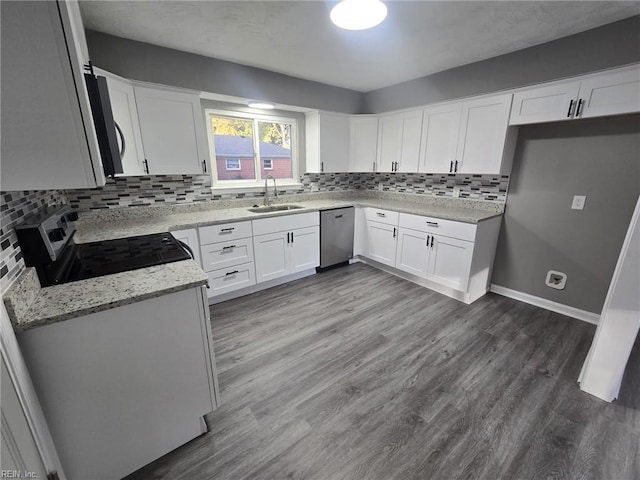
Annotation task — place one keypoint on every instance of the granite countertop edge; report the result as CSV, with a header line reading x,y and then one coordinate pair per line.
x,y
50,305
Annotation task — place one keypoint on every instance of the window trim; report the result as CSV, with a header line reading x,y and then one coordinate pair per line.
x,y
258,183
226,164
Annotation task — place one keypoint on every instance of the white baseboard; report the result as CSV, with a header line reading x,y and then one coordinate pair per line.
x,y
573,312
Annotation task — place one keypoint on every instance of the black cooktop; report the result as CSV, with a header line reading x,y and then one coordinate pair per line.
x,y
95,259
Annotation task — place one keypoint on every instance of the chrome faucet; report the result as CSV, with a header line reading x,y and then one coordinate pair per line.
x,y
266,190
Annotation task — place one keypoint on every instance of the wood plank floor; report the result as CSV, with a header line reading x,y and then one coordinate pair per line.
x,y
357,374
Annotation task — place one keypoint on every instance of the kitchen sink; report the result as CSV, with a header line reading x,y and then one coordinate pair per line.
x,y
274,208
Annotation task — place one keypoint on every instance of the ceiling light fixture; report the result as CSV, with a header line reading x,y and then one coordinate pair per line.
x,y
358,14
262,105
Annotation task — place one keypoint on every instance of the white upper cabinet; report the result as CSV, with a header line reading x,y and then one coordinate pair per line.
x,y
363,133
48,135
545,104
608,93
125,115
327,142
410,151
483,133
440,130
389,142
172,128
399,141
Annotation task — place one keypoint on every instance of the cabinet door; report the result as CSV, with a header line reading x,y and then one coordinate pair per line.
x,y
271,256
450,262
125,114
190,237
172,131
363,145
413,252
545,104
410,149
389,141
611,93
483,132
48,137
440,128
334,142
304,249
381,240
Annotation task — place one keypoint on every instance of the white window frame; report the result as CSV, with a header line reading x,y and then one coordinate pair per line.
x,y
226,164
264,166
257,184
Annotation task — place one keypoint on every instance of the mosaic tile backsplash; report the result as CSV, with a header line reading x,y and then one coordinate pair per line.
x,y
178,189
14,206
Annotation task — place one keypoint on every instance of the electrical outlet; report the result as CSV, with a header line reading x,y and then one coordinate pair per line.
x,y
557,280
578,202
456,192
380,186
315,187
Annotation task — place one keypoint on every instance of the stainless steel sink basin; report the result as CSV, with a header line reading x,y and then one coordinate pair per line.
x,y
274,208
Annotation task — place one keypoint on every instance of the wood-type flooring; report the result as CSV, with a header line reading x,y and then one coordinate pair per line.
x,y
357,374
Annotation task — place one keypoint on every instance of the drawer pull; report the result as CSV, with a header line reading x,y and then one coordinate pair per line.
x,y
227,230
229,247
433,224
431,241
338,216
381,214
231,273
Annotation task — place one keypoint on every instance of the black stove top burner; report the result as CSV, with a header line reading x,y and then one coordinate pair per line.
x,y
89,260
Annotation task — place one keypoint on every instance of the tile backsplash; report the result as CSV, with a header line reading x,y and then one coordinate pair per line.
x,y
14,207
184,189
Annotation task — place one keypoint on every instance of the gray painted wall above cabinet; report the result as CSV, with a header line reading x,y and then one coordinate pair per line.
x,y
601,48
151,63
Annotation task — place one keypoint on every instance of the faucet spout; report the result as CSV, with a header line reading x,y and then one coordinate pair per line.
x,y
266,189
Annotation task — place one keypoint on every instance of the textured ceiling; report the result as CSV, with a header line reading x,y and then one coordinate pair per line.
x,y
297,38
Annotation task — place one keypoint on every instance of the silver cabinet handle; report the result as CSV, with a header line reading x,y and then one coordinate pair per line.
x,y
433,224
229,247
381,214
374,166
231,273
227,230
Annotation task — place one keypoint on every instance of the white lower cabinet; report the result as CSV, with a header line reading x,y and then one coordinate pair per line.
x,y
286,245
450,261
231,279
453,258
381,241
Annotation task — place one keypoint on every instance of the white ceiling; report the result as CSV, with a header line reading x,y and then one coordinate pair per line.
x,y
297,38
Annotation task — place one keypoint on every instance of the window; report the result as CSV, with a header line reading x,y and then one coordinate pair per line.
x,y
232,164
245,149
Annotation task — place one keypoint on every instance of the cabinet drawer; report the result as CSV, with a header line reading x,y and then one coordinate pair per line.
x,y
439,226
224,232
226,254
382,216
231,279
285,223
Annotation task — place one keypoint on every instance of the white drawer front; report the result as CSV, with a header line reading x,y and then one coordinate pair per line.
x,y
224,232
225,254
285,223
231,279
382,216
439,226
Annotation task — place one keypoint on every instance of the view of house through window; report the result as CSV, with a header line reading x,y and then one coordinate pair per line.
x,y
248,149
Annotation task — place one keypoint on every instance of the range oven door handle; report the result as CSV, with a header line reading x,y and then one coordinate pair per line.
x,y
187,248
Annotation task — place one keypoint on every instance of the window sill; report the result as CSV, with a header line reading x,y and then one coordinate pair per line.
x,y
251,189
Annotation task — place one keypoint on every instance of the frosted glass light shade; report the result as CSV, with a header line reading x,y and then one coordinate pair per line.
x,y
358,14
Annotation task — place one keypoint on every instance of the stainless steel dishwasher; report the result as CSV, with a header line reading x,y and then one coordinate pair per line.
x,y
336,236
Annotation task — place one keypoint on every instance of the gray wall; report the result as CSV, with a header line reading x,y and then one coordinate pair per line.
x,y
151,63
598,158
609,46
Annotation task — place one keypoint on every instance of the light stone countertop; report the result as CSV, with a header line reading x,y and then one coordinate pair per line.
x,y
29,307
98,230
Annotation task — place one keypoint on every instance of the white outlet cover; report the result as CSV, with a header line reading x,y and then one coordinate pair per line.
x,y
557,280
578,202
456,192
